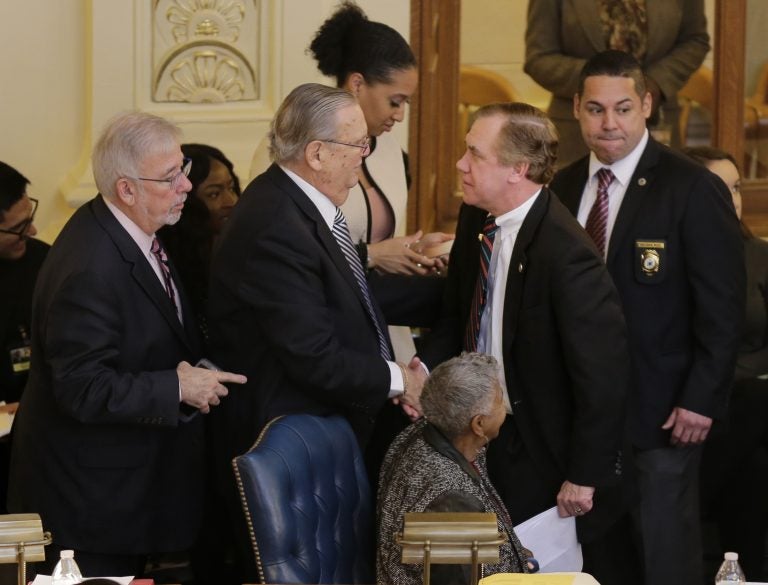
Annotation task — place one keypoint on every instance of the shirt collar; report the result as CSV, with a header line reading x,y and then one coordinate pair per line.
x,y
138,235
511,221
324,205
622,169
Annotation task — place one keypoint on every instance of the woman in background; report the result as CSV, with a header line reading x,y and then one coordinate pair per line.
x,y
215,190
374,62
734,469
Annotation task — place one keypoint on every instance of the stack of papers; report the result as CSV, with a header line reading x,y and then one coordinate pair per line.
x,y
539,579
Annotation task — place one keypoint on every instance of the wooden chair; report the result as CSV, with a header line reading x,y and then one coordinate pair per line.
x,y
756,128
699,90
478,87
759,97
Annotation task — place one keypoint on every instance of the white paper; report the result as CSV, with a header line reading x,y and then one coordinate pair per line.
x,y
6,421
553,542
46,580
537,579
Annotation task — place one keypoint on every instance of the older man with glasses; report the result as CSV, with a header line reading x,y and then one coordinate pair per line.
x,y
289,302
107,445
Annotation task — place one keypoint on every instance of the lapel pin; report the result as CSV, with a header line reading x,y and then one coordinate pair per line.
x,y
641,181
480,237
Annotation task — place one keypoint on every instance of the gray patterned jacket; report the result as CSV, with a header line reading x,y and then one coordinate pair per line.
x,y
423,471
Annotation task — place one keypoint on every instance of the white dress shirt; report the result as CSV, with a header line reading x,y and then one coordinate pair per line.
x,y
490,338
144,242
622,171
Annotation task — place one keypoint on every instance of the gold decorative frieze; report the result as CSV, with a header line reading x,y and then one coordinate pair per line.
x,y
195,19
206,51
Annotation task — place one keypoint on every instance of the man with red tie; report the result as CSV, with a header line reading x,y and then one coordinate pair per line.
x,y
527,286
107,446
669,234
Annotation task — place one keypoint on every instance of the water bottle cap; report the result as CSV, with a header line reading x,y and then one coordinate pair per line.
x,y
731,556
67,554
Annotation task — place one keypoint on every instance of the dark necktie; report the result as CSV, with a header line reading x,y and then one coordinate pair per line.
x,y
341,234
597,221
162,260
481,288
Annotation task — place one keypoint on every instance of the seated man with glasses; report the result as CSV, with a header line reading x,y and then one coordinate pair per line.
x,y
20,259
107,446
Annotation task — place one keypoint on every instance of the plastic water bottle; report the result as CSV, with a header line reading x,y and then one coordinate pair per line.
x,y
730,572
66,571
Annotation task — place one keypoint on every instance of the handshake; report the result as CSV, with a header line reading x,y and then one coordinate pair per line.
x,y
414,376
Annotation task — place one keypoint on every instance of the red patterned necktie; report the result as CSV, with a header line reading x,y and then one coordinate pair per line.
x,y
597,221
162,260
481,288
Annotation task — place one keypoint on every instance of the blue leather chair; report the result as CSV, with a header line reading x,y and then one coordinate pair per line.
x,y
307,502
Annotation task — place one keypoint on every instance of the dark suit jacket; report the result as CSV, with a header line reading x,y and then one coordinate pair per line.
x,y
286,311
99,449
684,321
565,355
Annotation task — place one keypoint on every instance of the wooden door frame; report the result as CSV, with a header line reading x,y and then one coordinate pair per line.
x,y
435,40
728,117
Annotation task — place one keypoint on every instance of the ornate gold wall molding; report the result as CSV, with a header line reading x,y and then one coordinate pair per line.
x,y
206,51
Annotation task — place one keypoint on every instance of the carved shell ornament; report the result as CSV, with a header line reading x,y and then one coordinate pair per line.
x,y
199,19
206,77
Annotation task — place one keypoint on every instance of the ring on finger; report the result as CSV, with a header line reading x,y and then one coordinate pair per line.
x,y
578,510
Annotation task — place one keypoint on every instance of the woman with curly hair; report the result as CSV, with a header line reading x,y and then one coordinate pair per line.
x,y
374,62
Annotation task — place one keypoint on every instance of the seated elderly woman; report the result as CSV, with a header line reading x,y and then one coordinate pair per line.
x,y
438,465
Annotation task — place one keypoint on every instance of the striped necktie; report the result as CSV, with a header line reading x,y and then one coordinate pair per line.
x,y
341,234
162,260
597,220
481,288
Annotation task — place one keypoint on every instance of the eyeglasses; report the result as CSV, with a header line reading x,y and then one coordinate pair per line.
x,y
20,230
365,148
174,181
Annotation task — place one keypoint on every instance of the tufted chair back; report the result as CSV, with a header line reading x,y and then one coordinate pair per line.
x,y
307,502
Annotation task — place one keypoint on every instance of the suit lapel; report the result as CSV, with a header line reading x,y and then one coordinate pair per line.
x,y
322,232
633,197
518,267
191,323
141,271
570,196
587,13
